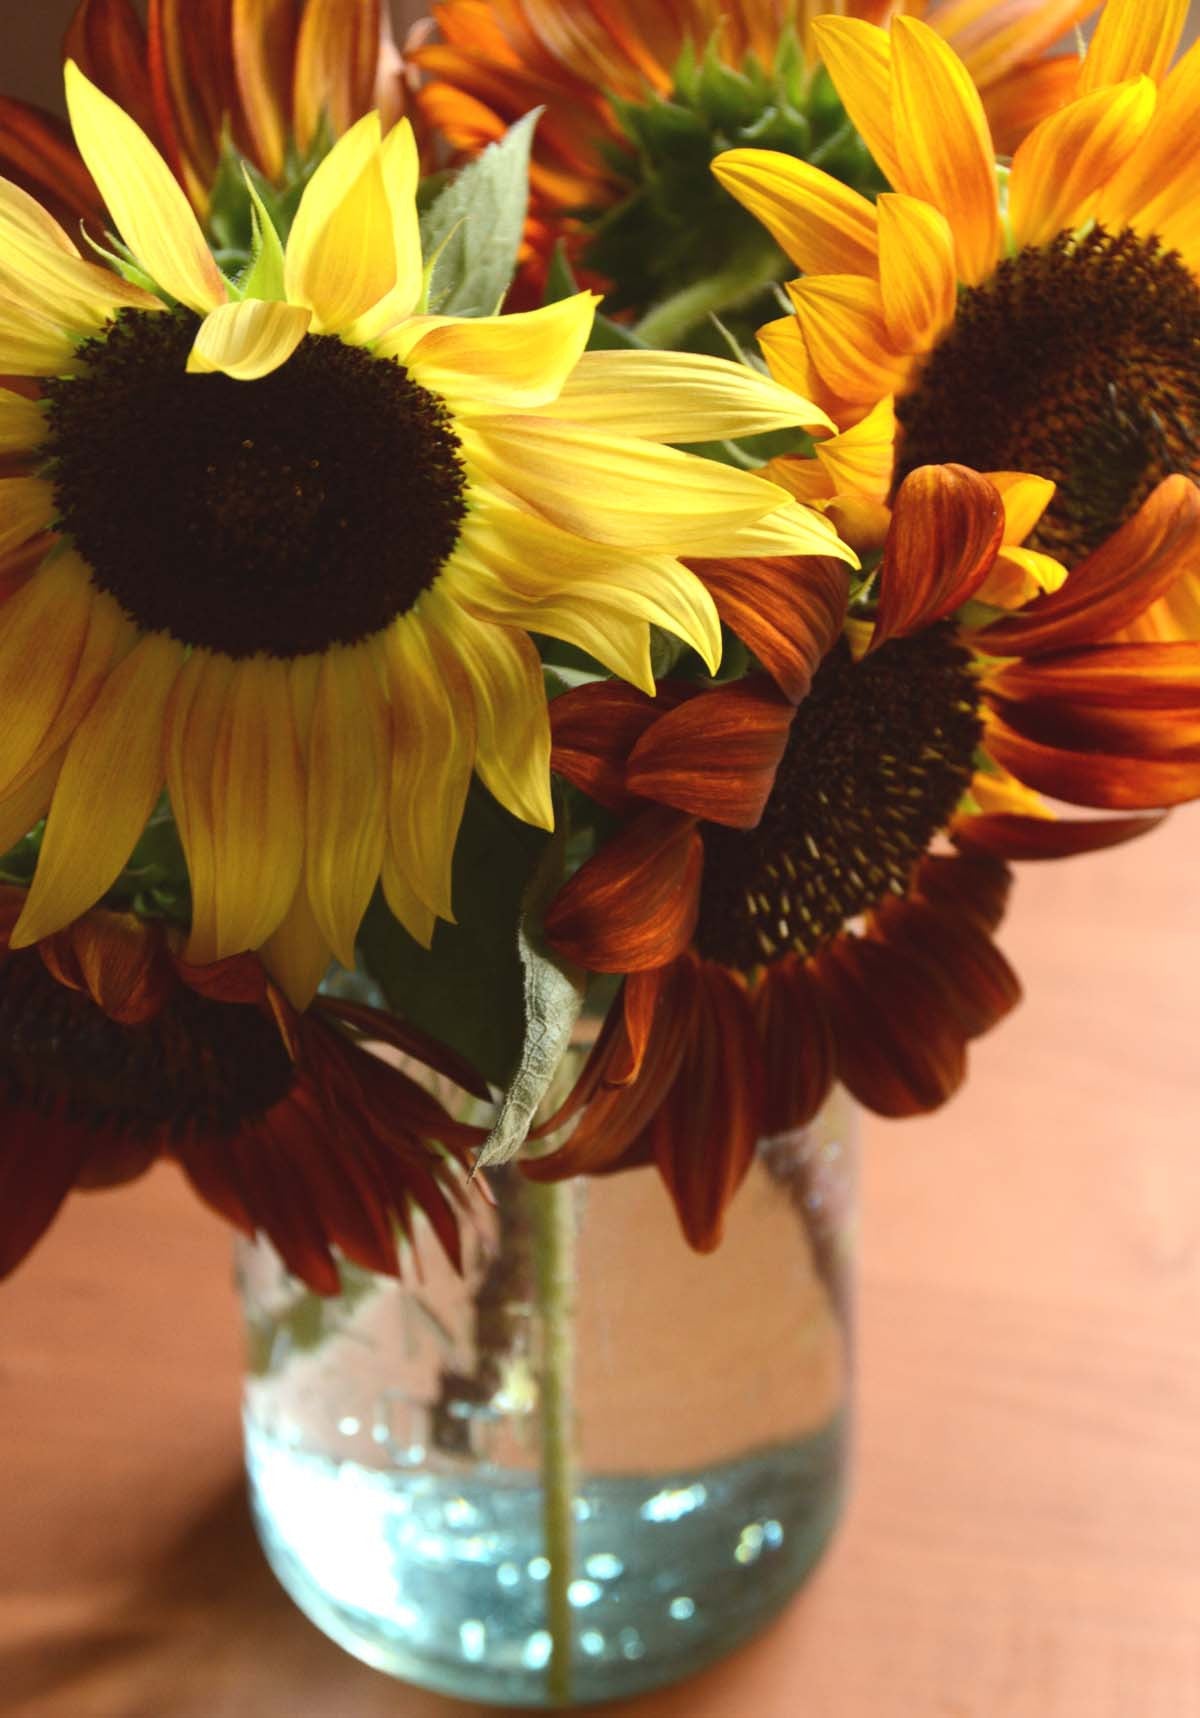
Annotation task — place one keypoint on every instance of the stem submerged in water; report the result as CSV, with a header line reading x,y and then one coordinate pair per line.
x,y
552,1209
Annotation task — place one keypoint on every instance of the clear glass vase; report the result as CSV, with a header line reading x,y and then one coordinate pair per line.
x,y
589,1466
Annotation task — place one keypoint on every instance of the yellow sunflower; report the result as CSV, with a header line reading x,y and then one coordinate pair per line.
x,y
279,544
1044,318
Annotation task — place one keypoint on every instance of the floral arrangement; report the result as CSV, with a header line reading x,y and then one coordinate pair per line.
x,y
616,514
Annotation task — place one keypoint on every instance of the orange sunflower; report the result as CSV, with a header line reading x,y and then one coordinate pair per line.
x,y
774,893
115,1053
278,78
1044,319
631,120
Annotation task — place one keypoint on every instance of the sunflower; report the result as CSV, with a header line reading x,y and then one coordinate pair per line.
x,y
289,538
115,1053
1046,319
278,81
775,892
637,99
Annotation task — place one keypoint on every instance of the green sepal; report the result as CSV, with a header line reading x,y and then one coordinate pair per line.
x,y
475,226
265,276
466,990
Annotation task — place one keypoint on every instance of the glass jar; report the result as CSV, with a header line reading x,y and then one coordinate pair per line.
x,y
591,1464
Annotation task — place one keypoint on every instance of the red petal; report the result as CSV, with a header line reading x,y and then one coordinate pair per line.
x,y
594,728
383,1028
899,1048
1111,783
1011,836
788,613
191,70
715,756
38,153
634,905
41,1157
108,41
705,1134
979,985
1115,583
1152,676
975,884
947,523
240,978
797,1046
115,959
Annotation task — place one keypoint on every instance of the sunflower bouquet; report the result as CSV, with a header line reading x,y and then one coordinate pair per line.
x,y
633,517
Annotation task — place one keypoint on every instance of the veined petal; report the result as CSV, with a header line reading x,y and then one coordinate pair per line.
x,y
821,224
789,613
790,530
264,40
678,397
861,459
249,339
153,214
618,640
633,906
26,507
715,756
43,629
1124,781
22,214
859,60
401,167
433,756
245,786
1059,172
80,295
992,38
610,489
296,955
917,279
341,256
943,145
1020,98
787,357
947,523
496,363
1012,835
337,52
418,919
1156,186
30,345
349,767
505,674
842,319
1132,39
110,779
22,423
23,808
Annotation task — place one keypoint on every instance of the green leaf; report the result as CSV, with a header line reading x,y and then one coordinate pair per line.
x,y
467,989
554,993
476,226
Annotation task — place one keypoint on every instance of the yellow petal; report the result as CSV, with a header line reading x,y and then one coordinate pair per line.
x,y
679,397
26,507
805,479
22,423
1156,187
1018,575
997,790
248,340
507,687
841,318
943,144
234,769
789,530
790,363
1132,38
401,167
433,756
858,58
613,490
916,271
1059,172
19,212
418,919
68,291
24,808
296,955
111,777
861,459
32,346
341,258
349,770
822,225
151,211
44,630
1025,497
496,363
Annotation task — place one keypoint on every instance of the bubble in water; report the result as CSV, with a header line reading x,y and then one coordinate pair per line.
x,y
603,1566
349,1425
592,1642
672,1505
750,1544
538,1648
539,1568
472,1637
583,1593
631,1643
682,1608
508,1575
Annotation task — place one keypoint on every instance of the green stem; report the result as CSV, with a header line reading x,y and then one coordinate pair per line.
x,y
667,323
552,1208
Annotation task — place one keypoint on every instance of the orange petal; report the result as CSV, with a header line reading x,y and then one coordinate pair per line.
x,y
947,523
337,57
787,613
1059,172
264,45
916,271
1013,836
1155,190
842,320
634,905
821,224
1111,782
715,756
858,58
1132,38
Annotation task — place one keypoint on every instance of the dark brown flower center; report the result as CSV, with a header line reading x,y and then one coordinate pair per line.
x,y
1079,361
878,757
284,515
198,1068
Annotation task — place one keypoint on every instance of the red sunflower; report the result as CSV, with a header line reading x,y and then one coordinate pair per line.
x,y
270,74
114,1053
772,892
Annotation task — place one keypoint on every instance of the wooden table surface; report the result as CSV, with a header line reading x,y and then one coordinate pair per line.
x,y
1024,1538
